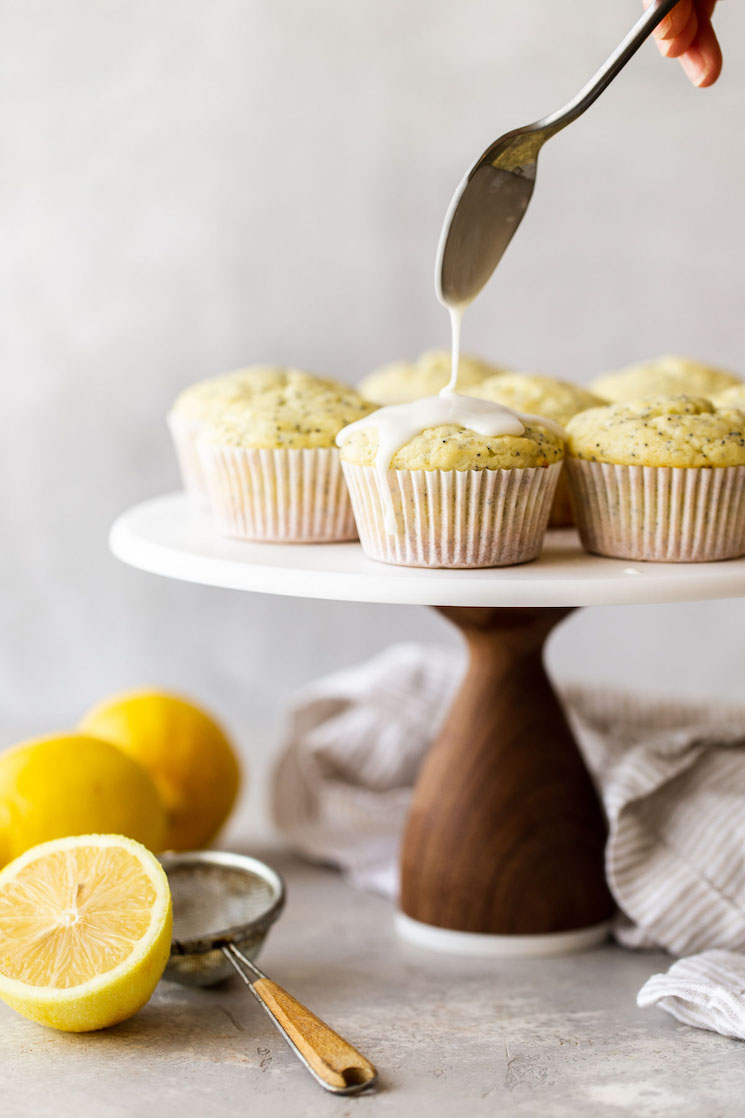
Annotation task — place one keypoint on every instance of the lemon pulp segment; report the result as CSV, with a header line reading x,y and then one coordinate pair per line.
x,y
73,916
85,931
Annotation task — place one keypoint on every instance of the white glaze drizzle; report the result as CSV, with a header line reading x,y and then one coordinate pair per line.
x,y
456,322
397,424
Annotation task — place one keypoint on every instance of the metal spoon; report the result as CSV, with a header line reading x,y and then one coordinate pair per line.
x,y
491,201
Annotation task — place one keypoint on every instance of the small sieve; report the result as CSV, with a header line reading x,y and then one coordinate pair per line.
x,y
223,907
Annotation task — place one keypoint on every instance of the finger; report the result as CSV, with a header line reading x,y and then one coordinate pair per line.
x,y
673,48
702,62
676,20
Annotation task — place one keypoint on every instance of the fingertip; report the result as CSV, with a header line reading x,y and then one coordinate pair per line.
x,y
675,22
709,75
702,63
674,48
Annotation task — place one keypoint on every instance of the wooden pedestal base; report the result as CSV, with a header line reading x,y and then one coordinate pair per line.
x,y
506,833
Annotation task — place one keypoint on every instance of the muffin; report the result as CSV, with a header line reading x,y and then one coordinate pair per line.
x,y
732,397
206,402
449,496
660,479
271,468
665,376
403,381
557,399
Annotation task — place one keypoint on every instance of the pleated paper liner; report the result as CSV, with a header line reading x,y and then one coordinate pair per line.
x,y
281,496
454,518
185,434
657,513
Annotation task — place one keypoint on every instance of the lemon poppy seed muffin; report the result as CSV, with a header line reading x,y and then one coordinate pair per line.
x,y
450,447
732,397
665,431
206,402
451,496
295,410
194,406
403,381
541,395
664,376
660,479
207,399
271,468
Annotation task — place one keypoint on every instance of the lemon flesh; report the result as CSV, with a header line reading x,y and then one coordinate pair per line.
x,y
186,753
85,931
74,784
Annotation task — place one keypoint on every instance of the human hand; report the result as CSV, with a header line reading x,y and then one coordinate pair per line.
x,y
687,34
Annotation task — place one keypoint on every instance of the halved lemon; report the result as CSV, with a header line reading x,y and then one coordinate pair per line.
x,y
85,931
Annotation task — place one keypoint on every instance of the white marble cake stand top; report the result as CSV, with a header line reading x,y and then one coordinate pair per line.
x,y
169,536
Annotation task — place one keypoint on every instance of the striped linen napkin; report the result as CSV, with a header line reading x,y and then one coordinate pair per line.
x,y
707,991
670,773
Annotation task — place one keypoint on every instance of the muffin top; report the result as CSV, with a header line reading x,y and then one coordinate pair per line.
x,y
732,397
292,410
453,446
403,381
557,399
665,376
663,431
208,399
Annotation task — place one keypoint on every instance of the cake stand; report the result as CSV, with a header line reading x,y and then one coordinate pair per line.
x,y
503,851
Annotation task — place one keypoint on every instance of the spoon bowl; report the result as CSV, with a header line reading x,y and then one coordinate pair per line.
x,y
490,203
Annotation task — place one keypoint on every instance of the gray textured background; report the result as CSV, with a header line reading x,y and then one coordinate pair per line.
x,y
186,187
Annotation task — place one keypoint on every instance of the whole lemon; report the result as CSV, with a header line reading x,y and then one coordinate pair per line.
x,y
74,784
187,754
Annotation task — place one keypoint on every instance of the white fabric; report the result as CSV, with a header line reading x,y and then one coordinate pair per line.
x,y
671,775
707,991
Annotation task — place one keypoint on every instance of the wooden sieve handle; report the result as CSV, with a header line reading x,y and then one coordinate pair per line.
x,y
332,1060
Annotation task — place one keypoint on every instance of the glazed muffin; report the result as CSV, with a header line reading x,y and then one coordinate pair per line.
x,y
452,497
271,468
660,479
665,376
540,395
206,402
403,381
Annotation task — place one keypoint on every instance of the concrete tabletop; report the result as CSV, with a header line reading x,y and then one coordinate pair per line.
x,y
472,1038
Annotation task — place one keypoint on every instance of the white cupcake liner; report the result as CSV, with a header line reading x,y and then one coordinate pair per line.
x,y
453,518
283,496
185,434
658,513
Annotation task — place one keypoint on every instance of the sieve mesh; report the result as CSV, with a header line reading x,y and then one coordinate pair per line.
x,y
217,899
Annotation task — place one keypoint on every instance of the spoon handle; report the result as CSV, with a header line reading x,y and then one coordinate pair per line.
x,y
338,1066
330,1059
625,50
